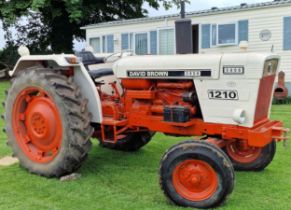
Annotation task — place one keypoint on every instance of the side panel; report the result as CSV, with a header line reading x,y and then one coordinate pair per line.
x,y
221,110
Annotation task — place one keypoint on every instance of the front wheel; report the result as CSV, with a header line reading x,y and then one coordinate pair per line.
x,y
250,158
196,174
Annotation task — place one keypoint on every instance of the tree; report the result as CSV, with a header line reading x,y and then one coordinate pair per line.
x,y
32,33
58,22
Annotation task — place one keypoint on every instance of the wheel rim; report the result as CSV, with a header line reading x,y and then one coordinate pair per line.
x,y
37,125
195,180
241,154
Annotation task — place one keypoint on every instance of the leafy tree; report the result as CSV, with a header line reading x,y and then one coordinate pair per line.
x,y
58,22
9,56
32,33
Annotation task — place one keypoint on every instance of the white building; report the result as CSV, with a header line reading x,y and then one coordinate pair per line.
x,y
266,27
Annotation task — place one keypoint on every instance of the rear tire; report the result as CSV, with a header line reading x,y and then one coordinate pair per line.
x,y
256,159
51,136
196,174
131,143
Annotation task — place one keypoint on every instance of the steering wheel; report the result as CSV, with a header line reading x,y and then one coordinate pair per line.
x,y
118,55
113,55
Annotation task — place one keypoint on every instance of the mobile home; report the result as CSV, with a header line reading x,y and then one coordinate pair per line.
x,y
266,27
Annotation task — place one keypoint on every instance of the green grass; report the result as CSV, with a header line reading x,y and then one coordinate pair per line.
x,y
116,180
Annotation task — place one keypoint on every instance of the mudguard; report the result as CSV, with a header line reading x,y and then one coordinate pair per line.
x,y
81,77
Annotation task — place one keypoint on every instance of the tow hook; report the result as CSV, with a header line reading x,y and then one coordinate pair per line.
x,y
284,136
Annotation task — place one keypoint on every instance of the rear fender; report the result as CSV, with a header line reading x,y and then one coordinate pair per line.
x,y
81,77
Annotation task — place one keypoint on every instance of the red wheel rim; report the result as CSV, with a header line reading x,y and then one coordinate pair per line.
x,y
195,180
241,153
37,125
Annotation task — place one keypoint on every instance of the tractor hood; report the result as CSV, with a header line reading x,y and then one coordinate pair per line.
x,y
199,66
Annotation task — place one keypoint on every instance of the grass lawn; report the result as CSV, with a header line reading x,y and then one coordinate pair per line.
x,y
117,180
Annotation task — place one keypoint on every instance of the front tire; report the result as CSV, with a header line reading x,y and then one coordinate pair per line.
x,y
47,122
196,174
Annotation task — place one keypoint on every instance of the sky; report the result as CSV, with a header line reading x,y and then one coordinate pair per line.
x,y
193,6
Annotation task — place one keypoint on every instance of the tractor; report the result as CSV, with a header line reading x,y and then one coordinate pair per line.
x,y
56,103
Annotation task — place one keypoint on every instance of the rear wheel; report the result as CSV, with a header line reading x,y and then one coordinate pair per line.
x,y
196,174
47,123
250,158
131,142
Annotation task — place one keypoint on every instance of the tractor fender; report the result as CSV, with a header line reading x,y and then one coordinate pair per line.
x,y
81,77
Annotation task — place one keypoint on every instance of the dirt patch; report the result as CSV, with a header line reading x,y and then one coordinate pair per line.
x,y
8,161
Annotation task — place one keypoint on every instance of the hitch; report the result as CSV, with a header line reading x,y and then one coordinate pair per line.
x,y
284,137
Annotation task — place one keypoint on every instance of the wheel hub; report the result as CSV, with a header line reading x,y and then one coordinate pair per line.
x,y
242,153
37,125
195,180
41,123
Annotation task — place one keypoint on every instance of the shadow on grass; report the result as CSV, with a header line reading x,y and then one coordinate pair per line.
x,y
101,159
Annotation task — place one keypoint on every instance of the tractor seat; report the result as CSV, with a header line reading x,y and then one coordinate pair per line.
x,y
88,58
97,73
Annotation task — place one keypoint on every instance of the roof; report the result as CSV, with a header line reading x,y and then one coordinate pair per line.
x,y
212,11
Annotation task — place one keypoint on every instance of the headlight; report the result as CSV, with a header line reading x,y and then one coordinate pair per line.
x,y
270,67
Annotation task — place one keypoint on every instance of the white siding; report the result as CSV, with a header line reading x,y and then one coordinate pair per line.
x,y
259,19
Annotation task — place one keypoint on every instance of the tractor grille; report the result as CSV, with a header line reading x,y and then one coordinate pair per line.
x,y
264,97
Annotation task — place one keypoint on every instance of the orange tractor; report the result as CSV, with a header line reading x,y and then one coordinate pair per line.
x,y
56,103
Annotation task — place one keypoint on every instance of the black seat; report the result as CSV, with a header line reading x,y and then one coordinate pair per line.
x,y
97,73
88,58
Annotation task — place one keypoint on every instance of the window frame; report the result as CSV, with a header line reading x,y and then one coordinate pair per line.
x,y
102,51
106,43
131,45
158,38
148,39
100,47
217,34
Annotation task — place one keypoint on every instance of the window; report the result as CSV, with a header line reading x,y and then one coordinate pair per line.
x,y
141,43
227,34
166,41
108,44
126,41
104,44
287,33
243,30
205,38
153,43
95,43
214,35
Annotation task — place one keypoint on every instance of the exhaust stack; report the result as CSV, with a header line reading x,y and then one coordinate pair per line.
x,y
184,42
